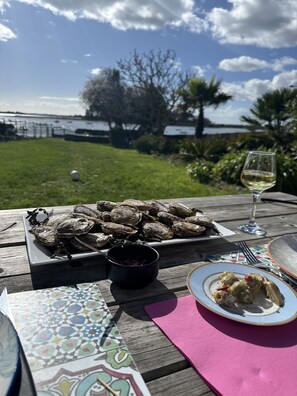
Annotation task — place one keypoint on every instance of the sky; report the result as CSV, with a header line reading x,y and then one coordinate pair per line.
x,y
49,49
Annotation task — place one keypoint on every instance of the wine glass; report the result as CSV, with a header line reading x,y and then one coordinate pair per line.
x,y
258,174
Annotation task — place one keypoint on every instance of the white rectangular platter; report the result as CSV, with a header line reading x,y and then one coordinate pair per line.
x,y
41,255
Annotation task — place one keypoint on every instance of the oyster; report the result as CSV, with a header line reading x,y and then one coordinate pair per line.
x,y
154,230
88,213
105,205
105,216
118,230
184,229
126,215
168,218
54,220
136,203
98,240
72,227
181,210
202,220
156,207
46,235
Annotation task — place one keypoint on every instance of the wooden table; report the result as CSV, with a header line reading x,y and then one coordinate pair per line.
x,y
162,366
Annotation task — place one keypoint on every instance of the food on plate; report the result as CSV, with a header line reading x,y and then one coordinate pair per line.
x,y
131,219
273,293
233,290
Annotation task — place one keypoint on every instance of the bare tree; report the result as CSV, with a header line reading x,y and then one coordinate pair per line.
x,y
154,78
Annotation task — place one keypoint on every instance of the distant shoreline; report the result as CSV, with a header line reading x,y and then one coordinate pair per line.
x,y
4,114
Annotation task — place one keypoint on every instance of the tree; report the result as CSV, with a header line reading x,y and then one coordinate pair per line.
x,y
292,109
104,97
154,79
199,94
271,111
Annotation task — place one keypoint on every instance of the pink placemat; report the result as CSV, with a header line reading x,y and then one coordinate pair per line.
x,y
232,357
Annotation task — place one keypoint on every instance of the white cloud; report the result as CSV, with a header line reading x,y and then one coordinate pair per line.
x,y
279,64
227,114
243,64
128,14
250,90
68,61
270,24
59,98
248,64
45,107
96,71
6,33
198,70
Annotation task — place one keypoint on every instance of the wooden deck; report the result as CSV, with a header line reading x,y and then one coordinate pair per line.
x,y
162,366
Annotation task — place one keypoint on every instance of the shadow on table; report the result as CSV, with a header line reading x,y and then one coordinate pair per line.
x,y
132,302
269,336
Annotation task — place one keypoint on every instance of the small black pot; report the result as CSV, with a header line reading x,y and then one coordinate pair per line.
x,y
132,266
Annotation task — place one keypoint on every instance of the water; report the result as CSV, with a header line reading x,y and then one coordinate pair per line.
x,y
44,126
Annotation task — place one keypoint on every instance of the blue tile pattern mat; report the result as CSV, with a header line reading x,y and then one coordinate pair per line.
x,y
70,340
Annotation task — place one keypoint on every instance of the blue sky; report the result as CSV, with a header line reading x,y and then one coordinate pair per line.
x,y
50,48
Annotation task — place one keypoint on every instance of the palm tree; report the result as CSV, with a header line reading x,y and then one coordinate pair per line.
x,y
271,111
199,94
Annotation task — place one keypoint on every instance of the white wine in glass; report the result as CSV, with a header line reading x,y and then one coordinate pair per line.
x,y
258,174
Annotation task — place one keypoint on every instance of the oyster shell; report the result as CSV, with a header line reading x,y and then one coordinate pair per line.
x,y
202,220
181,210
126,215
156,207
54,220
168,218
98,240
184,229
46,235
136,203
155,230
105,205
70,228
88,213
118,230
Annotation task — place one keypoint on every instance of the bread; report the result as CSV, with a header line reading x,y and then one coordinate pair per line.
x,y
273,293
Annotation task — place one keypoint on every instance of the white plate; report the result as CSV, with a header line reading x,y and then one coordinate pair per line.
x,y
40,255
9,354
203,281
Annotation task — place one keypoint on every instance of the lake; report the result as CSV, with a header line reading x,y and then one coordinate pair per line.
x,y
37,125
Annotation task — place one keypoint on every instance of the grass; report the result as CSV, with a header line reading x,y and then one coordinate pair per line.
x,y
36,173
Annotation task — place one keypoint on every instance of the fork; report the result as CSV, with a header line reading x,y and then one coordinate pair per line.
x,y
249,255
255,262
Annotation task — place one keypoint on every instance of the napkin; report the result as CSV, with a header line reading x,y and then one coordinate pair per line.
x,y
233,358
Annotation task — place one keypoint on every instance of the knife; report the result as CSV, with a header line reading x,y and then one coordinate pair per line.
x,y
278,200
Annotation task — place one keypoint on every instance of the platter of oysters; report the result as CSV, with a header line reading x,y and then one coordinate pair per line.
x,y
60,236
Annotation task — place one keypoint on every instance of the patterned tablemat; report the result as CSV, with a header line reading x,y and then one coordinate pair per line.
x,y
259,251
70,340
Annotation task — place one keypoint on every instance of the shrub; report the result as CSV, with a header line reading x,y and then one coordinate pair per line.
x,y
228,169
286,180
152,144
7,132
201,170
208,148
123,138
252,141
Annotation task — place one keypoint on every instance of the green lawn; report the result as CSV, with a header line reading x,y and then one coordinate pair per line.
x,y
36,173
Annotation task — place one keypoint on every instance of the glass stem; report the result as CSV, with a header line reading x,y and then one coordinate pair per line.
x,y
252,221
